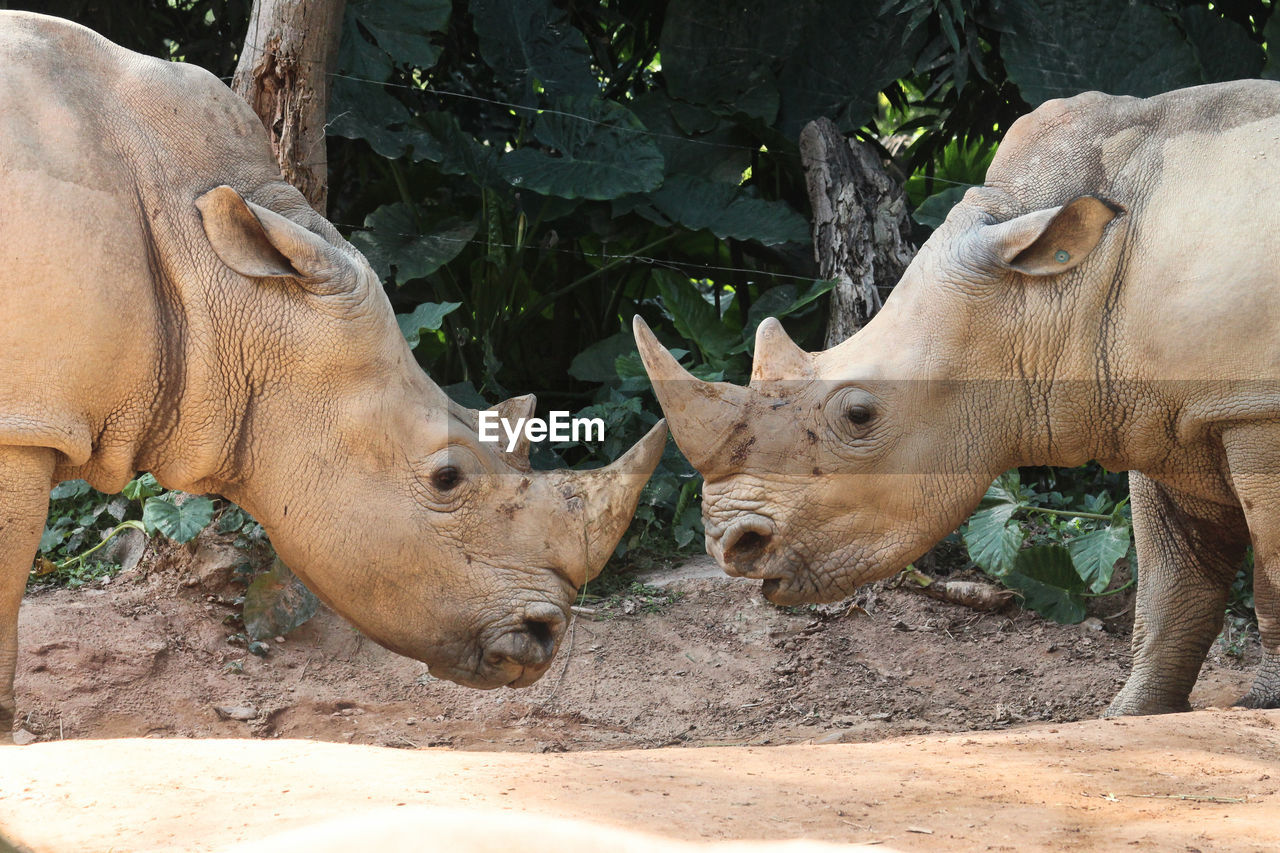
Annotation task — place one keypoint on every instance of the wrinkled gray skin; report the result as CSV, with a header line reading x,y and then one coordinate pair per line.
x,y
170,305
1111,293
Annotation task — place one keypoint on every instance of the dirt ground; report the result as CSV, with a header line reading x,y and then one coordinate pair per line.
x,y
1205,781
148,656
709,664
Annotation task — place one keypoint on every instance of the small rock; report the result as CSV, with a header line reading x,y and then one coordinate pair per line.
x,y
243,713
22,737
1093,623
280,640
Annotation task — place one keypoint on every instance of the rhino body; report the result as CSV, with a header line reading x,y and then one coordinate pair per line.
x,y
170,304
1111,293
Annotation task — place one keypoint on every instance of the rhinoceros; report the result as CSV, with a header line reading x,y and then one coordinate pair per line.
x,y
1111,293
171,305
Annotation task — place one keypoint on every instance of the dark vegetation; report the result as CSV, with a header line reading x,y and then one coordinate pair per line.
x,y
526,175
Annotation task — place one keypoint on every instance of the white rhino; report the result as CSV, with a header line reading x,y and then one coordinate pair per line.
x,y
171,305
1111,293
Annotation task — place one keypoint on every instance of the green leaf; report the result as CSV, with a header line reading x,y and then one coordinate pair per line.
x,y
69,489
427,317
1095,554
694,317
785,300
1224,49
276,603
181,523
597,363
458,153
1059,48
404,29
693,140
465,394
729,211
392,238
842,62
532,42
361,110
1047,580
142,488
594,149
934,209
715,52
993,542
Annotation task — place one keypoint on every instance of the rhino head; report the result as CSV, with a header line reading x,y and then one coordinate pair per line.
x,y
833,469
372,483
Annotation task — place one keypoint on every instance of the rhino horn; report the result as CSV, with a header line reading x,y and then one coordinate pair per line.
x,y
698,411
612,493
777,357
513,410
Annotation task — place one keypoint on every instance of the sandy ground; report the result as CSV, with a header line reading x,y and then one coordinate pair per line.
x,y
1203,781
859,723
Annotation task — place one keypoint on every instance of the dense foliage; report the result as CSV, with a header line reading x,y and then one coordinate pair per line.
x,y
527,174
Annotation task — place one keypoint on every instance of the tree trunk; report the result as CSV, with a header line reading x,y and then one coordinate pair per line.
x,y
861,231
289,50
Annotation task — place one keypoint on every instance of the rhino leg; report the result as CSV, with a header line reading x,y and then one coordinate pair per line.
x,y
25,475
1253,454
1188,553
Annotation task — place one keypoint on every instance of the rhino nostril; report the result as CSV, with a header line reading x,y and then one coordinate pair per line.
x,y
749,543
544,634
746,548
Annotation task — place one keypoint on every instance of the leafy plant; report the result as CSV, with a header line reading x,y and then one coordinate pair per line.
x,y
1054,551
82,521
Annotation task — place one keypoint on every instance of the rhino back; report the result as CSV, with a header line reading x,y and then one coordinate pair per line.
x,y
1194,293
102,153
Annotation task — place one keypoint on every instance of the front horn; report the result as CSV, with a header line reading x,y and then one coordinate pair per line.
x,y
698,413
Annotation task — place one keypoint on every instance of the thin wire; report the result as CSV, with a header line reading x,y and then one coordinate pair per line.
x,y
680,266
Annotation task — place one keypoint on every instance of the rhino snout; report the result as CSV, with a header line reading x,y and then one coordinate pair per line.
x,y
525,651
742,546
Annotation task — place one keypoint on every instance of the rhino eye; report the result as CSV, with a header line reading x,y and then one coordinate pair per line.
x,y
859,415
446,478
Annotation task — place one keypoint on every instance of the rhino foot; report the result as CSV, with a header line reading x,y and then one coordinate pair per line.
x,y
1253,699
1138,703
1259,698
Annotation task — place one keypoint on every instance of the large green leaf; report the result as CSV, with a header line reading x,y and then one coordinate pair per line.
x,y
359,106
1095,554
784,300
695,141
725,54
403,29
728,211
1059,48
598,362
361,110
276,603
593,149
532,42
392,238
993,542
934,209
457,152
695,317
427,317
180,522
842,62
1047,580
1223,47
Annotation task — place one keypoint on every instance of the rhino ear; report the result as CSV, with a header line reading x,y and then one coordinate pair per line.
x,y
260,243
1054,240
